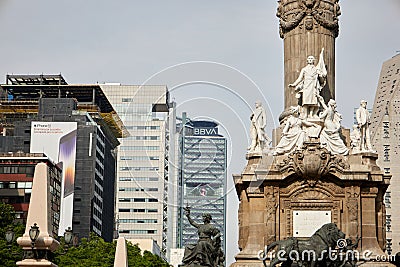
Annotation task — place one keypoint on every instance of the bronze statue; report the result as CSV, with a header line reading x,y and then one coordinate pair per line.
x,y
319,243
207,251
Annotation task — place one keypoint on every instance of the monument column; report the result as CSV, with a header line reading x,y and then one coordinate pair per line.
x,y
307,26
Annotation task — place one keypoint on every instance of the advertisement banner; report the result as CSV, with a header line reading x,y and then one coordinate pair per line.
x,y
58,141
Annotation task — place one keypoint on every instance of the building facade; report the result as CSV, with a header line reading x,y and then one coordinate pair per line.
x,y
143,161
202,161
76,126
16,178
385,134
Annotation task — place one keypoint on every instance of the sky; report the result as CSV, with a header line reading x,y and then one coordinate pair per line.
x,y
216,57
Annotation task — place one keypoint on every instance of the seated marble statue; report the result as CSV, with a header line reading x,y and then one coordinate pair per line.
x,y
330,135
355,138
207,251
293,135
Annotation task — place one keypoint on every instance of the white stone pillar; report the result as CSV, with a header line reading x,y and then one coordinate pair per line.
x,y
121,254
39,213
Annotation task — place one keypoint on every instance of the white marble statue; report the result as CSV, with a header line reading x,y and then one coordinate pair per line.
x,y
355,138
363,120
309,84
257,132
293,134
330,135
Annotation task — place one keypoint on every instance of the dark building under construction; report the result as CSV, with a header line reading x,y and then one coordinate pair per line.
x,y
37,108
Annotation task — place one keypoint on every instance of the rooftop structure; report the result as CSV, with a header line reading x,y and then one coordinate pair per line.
x,y
22,92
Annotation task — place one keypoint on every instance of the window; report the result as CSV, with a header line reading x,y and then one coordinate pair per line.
x,y
124,210
138,168
137,221
138,232
143,127
132,179
137,189
138,200
140,148
139,158
138,210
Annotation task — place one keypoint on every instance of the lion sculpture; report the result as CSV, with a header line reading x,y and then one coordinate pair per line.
x,y
306,252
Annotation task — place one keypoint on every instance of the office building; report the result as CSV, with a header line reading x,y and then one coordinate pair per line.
x,y
143,161
76,126
16,177
385,134
202,161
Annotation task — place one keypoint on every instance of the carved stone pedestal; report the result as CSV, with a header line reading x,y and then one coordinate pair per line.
x,y
274,189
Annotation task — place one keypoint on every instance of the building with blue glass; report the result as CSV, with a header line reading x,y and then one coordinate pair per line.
x,y
202,176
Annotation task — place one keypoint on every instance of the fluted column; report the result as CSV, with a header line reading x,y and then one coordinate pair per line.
x,y
307,26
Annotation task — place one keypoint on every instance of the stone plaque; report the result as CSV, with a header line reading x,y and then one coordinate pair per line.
x,y
306,222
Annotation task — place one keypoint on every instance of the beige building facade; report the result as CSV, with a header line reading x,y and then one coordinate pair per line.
x,y
141,194
385,134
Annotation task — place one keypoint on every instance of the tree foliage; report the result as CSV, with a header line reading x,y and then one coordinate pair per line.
x,y
96,252
93,251
9,254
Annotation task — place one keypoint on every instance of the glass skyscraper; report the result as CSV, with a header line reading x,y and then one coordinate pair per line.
x,y
201,177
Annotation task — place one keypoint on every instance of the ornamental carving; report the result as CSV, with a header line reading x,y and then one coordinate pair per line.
x,y
312,162
352,205
271,204
310,12
311,195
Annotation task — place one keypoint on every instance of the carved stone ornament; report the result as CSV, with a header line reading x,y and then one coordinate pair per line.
x,y
292,13
312,162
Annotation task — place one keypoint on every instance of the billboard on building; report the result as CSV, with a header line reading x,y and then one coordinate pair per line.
x,y
58,141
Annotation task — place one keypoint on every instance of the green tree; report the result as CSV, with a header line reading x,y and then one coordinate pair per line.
x,y
93,251
90,252
9,255
96,252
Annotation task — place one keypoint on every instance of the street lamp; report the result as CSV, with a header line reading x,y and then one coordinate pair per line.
x,y
10,236
34,234
68,235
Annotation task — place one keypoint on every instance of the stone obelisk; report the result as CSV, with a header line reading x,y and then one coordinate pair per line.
x,y
307,26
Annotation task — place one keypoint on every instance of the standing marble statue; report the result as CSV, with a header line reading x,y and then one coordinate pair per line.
x,y
257,132
207,251
330,135
309,84
293,135
363,120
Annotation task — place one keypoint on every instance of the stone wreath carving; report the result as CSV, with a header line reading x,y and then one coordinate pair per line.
x,y
312,162
290,15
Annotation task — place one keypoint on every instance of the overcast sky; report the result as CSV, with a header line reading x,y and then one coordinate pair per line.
x,y
217,57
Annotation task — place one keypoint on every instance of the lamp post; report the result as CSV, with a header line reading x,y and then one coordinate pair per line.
x,y
10,235
34,234
68,235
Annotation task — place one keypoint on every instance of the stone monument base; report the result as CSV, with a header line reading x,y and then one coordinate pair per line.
x,y
35,263
376,264
248,263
